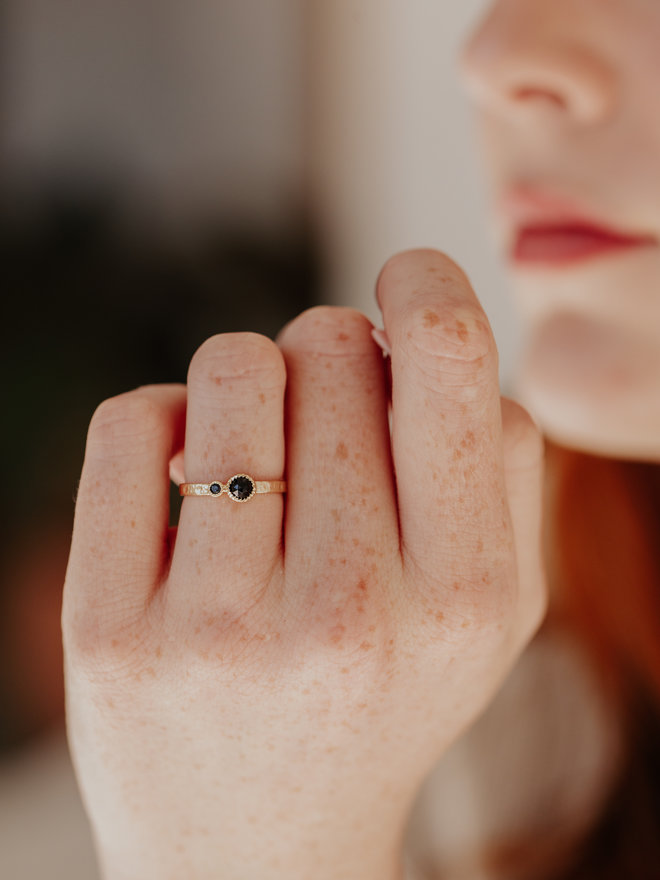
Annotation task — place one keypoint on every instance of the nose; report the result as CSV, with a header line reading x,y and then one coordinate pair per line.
x,y
527,56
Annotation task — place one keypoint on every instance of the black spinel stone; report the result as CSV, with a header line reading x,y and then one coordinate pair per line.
x,y
215,488
241,488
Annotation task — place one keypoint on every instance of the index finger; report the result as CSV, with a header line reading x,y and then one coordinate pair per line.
x,y
447,440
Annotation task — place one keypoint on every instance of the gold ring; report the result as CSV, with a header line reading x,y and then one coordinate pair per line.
x,y
240,487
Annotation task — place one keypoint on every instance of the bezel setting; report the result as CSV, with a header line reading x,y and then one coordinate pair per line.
x,y
236,497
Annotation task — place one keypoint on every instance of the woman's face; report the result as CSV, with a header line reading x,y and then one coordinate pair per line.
x,y
568,93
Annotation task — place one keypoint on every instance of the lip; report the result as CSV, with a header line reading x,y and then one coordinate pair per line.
x,y
550,230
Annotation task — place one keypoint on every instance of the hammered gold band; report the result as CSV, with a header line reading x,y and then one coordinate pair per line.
x,y
240,487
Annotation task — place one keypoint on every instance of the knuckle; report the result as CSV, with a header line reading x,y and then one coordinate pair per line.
x,y
524,444
237,357
449,343
328,331
126,424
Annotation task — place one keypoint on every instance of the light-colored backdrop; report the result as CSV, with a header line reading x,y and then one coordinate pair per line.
x,y
394,163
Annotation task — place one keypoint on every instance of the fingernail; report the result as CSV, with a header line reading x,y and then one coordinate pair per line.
x,y
381,338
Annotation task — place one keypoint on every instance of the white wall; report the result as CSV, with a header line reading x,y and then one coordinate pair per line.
x,y
393,162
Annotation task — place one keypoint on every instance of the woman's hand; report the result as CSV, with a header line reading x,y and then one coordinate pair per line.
x,y
263,697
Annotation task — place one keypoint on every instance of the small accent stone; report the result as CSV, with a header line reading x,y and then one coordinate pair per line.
x,y
241,488
215,488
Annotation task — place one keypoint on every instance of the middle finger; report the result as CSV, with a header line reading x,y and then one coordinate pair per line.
x,y
341,489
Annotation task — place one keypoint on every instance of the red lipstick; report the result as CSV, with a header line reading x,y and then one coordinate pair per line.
x,y
554,231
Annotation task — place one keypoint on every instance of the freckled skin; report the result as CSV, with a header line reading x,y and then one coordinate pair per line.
x,y
431,319
282,625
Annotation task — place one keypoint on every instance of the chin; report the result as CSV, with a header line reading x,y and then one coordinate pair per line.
x,y
593,387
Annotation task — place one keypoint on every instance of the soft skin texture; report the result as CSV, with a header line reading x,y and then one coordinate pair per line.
x,y
567,95
262,697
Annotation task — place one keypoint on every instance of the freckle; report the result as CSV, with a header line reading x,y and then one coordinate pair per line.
x,y
341,452
159,651
431,319
336,515
306,691
132,523
366,646
336,633
372,629
192,542
468,441
217,380
362,586
110,703
198,568
465,624
462,331
342,562
439,616
198,630
343,337
456,585
262,398
485,579
151,671
115,643
391,642
345,670
210,553
458,455
480,546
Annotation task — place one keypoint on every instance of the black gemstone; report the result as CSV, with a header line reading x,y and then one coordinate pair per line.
x,y
215,488
241,488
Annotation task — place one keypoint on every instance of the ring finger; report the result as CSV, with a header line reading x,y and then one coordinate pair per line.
x,y
234,425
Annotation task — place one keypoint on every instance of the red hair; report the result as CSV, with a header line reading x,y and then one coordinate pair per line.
x,y
602,550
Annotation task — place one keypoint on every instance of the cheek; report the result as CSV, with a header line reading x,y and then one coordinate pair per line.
x,y
593,385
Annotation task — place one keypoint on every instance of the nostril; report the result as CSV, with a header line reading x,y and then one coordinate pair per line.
x,y
525,93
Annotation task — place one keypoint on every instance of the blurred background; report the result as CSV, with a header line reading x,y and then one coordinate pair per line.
x,y
168,171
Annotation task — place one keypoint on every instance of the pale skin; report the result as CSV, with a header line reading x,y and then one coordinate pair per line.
x,y
262,695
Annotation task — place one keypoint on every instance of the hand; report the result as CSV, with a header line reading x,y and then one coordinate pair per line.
x,y
261,698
